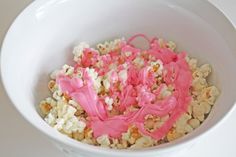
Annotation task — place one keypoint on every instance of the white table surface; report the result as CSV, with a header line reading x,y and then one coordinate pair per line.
x,y
18,138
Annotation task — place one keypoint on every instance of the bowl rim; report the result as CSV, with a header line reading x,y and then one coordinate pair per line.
x,y
95,149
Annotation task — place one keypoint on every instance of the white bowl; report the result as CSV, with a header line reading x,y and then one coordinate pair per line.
x,y
43,35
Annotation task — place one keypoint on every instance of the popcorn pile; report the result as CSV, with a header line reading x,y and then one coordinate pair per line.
x,y
120,96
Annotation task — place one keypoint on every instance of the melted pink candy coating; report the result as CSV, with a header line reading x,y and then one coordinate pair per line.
x,y
136,90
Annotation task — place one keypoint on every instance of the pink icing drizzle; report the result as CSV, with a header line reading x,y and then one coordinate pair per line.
x,y
136,90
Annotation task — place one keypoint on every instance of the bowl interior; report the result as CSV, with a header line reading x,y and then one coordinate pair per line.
x,y
43,36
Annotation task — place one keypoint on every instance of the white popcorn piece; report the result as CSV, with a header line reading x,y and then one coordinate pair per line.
x,y
62,118
157,66
109,102
139,62
107,47
103,140
95,78
194,123
199,111
59,124
106,84
171,45
88,141
126,136
197,74
142,142
81,126
50,119
79,74
73,103
57,94
123,75
173,134
78,50
97,84
206,106
73,125
65,111
209,94
67,70
182,125
165,92
198,84
51,101
205,70
92,73
192,63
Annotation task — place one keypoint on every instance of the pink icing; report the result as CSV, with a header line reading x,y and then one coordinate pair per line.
x,y
136,90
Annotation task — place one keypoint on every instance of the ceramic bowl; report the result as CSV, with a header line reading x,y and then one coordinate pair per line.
x,y
43,35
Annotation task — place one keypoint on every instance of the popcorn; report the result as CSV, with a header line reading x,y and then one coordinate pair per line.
x,y
199,111
67,70
106,84
123,75
171,45
103,140
109,102
173,134
139,62
198,84
98,84
79,74
205,70
157,67
194,123
192,63
143,142
206,106
95,78
52,86
69,113
81,126
45,107
57,95
209,94
78,50
50,119
92,73
165,92
109,46
182,125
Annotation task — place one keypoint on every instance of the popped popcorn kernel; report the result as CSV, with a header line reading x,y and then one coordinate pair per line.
x,y
194,123
182,124
171,45
205,70
103,140
209,94
78,50
173,135
45,107
143,142
52,86
192,63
